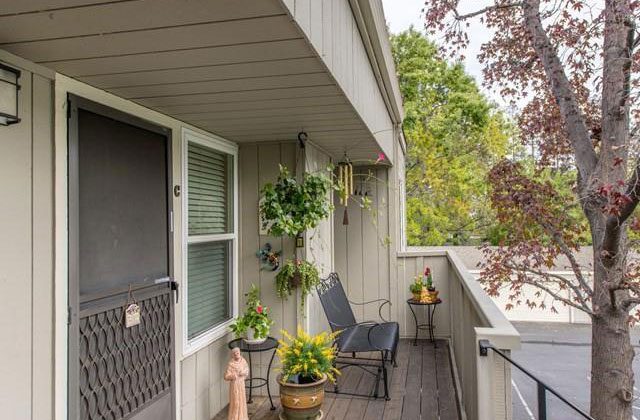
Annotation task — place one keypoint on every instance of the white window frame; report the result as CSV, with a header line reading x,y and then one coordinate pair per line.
x,y
202,340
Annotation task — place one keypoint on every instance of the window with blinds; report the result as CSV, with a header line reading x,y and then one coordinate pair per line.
x,y
210,184
208,266
210,235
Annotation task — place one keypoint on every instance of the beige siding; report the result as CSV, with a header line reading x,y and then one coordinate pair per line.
x,y
259,165
203,390
333,32
365,249
408,268
26,253
318,243
362,247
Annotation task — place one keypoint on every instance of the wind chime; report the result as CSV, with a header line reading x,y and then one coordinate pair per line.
x,y
345,178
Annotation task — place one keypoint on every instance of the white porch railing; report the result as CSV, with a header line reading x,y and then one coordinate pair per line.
x,y
484,381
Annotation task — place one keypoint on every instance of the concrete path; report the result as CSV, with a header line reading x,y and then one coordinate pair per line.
x,y
559,355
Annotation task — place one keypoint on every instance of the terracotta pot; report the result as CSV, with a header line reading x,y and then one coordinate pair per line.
x,y
301,401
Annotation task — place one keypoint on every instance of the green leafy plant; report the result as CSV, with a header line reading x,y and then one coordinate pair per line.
x,y
306,358
417,285
255,316
297,273
289,207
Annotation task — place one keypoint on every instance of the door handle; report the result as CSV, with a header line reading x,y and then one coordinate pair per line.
x,y
175,286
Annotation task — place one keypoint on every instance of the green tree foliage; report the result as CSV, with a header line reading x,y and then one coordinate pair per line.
x,y
454,136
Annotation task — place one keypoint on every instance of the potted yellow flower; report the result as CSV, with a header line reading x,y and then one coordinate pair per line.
x,y
307,363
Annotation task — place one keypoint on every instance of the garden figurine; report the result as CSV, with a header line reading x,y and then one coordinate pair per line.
x,y
237,371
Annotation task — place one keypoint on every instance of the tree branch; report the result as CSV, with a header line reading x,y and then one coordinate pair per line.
x,y
628,303
566,251
558,297
485,10
563,92
582,305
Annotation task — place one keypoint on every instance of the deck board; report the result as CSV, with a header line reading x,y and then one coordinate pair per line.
x,y
421,388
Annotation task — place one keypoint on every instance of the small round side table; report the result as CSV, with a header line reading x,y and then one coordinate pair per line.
x,y
429,325
270,344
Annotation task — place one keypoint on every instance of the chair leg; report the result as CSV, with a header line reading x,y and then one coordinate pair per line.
x,y
386,384
375,391
394,353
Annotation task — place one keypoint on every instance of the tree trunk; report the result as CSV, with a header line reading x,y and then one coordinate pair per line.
x,y
611,368
611,351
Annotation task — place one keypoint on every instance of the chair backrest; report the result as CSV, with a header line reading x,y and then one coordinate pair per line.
x,y
335,303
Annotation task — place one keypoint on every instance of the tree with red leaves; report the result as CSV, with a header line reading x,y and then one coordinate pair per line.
x,y
574,63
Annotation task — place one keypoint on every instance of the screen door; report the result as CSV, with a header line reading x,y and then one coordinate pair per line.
x,y
119,260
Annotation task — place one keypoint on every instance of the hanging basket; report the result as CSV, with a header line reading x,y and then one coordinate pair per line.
x,y
295,280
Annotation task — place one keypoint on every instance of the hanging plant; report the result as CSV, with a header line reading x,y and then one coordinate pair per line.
x,y
297,273
289,207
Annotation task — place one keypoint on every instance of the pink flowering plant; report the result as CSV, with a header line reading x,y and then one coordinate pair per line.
x,y
255,316
428,279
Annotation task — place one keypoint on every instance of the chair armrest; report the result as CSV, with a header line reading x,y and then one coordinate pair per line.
x,y
345,326
372,325
384,302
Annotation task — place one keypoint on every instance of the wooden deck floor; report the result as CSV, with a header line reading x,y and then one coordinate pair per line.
x,y
421,388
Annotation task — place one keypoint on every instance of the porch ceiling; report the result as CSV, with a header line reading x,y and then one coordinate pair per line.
x,y
239,68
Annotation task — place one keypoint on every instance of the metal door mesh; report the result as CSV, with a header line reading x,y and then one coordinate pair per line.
x,y
124,369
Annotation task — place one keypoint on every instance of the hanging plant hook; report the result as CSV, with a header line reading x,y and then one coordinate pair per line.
x,y
302,138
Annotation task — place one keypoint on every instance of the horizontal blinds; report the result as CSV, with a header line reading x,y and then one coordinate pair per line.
x,y
210,190
208,287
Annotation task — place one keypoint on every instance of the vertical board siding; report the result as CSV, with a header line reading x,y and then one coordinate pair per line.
x,y
362,247
259,170
16,259
318,242
26,254
42,295
288,152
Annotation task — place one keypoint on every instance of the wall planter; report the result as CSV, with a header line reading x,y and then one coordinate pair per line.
x,y
297,274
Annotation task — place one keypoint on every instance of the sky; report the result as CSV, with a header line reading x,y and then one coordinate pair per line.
x,y
401,14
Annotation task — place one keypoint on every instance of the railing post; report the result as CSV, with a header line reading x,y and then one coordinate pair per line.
x,y
542,402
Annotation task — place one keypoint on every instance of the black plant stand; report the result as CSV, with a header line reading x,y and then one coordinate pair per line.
x,y
429,325
270,344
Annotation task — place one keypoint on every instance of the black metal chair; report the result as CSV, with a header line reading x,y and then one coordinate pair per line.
x,y
359,337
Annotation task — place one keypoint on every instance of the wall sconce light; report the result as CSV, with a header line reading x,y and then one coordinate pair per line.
x,y
9,88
